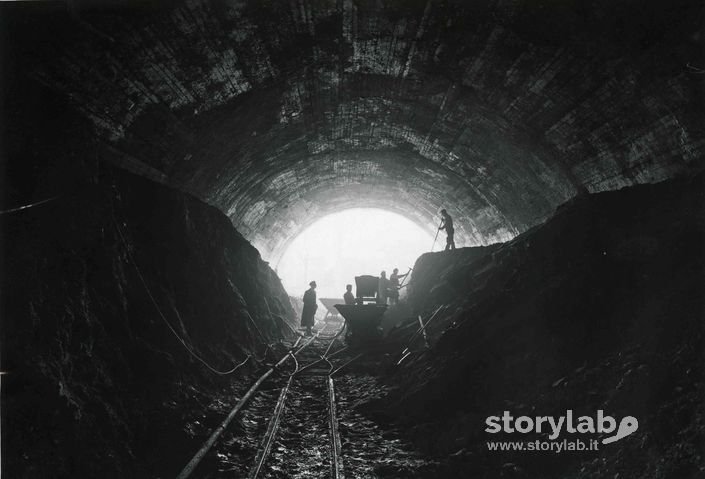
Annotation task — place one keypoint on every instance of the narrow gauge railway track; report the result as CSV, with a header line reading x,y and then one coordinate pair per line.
x,y
301,432
302,438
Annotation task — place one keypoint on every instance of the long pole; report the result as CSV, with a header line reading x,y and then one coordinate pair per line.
x,y
188,469
406,276
437,231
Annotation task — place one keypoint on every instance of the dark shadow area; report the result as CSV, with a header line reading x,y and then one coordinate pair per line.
x,y
100,287
601,307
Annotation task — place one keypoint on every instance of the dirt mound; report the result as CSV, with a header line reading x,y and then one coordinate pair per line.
x,y
99,380
601,307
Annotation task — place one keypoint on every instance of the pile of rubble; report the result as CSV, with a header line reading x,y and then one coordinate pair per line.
x,y
600,308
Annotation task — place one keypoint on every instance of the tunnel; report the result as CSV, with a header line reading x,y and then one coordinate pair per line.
x,y
160,157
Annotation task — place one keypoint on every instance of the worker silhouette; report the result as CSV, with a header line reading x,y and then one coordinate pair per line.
x,y
447,224
382,288
348,296
394,285
310,307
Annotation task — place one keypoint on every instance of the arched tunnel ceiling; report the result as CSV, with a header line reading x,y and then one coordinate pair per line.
x,y
280,112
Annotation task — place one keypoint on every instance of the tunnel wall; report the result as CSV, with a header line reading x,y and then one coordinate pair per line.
x,y
93,369
279,113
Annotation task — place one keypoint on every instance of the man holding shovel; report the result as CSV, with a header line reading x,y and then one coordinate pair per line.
x,y
447,224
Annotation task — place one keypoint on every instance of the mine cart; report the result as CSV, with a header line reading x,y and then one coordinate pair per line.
x,y
364,317
332,313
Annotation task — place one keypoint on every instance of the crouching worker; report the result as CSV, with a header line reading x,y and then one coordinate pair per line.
x,y
348,296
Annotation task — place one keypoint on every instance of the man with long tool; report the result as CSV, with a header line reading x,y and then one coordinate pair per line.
x,y
447,224
394,285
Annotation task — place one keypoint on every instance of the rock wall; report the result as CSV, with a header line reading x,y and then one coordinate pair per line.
x,y
601,307
110,292
499,111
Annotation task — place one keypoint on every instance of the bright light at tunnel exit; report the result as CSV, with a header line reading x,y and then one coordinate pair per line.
x,y
354,242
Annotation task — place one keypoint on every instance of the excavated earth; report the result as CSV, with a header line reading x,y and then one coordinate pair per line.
x,y
601,307
598,308
98,383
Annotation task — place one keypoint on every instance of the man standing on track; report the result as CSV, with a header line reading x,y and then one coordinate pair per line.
x,y
310,307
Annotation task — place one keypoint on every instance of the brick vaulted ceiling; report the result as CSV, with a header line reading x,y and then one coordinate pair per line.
x,y
279,112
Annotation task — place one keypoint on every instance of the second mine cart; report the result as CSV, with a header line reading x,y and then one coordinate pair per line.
x,y
332,313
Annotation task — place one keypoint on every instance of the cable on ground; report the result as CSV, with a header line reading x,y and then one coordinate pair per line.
x,y
171,328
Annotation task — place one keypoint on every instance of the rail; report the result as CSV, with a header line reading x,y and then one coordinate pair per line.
x,y
198,457
335,442
275,420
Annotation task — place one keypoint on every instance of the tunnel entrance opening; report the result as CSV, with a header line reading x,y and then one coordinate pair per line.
x,y
349,243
